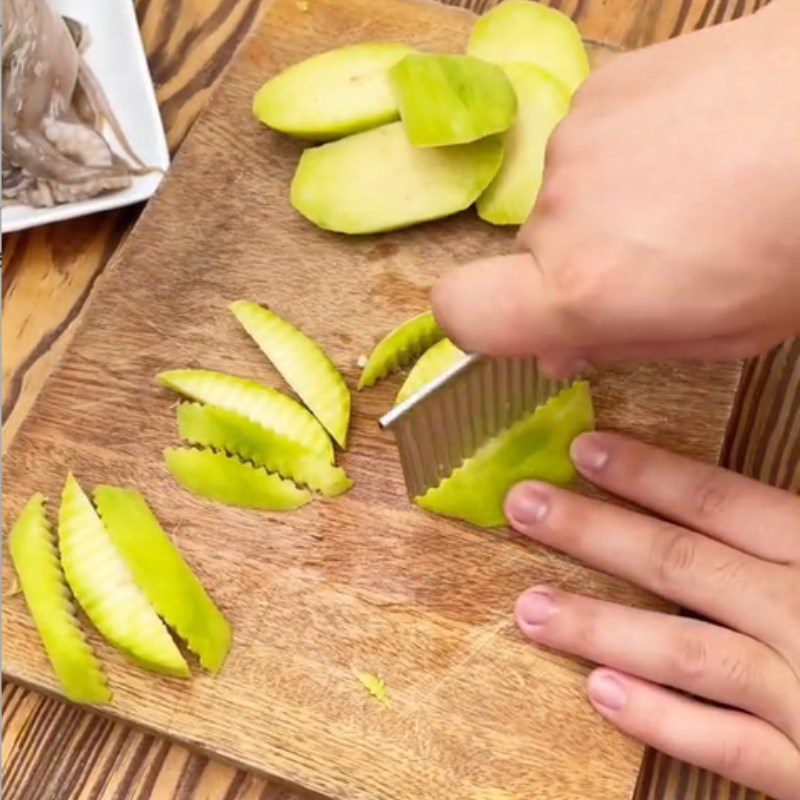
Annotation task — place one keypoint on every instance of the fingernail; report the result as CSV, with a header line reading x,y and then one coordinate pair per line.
x,y
535,607
526,505
589,453
606,691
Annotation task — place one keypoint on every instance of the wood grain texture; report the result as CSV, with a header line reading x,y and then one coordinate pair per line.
x,y
41,305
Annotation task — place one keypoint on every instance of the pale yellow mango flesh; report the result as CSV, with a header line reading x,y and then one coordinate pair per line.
x,y
332,94
541,103
522,30
378,181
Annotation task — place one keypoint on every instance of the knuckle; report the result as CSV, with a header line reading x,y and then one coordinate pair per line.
x,y
690,658
731,758
674,555
739,671
709,496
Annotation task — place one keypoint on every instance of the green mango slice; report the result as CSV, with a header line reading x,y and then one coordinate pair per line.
x,y
332,94
534,448
448,100
161,573
521,30
542,103
400,347
378,181
432,363
261,404
33,552
302,363
106,589
226,430
226,479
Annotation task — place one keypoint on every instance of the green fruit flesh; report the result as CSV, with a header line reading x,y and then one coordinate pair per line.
x,y
536,447
35,557
162,575
259,403
521,30
446,100
226,430
400,347
542,103
302,363
226,479
432,363
378,181
332,94
106,590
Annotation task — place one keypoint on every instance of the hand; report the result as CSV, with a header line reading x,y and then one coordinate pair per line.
x,y
667,225
730,553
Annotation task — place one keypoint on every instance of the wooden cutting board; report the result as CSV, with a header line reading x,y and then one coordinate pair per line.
x,y
364,583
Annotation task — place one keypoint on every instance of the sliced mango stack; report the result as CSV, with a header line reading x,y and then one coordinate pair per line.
x,y
535,447
253,446
473,128
120,566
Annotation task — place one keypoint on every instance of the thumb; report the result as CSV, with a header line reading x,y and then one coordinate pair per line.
x,y
501,306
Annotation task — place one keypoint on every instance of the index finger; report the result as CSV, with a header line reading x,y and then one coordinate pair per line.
x,y
751,516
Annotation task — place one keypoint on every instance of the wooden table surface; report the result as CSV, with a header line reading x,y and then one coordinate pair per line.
x,y
53,751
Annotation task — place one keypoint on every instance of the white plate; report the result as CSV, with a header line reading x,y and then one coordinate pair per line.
x,y
117,58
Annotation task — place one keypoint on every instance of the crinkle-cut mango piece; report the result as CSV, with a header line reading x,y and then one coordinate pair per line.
x,y
302,363
261,404
105,588
233,433
164,577
536,447
332,94
400,347
432,363
33,551
226,479
522,30
378,181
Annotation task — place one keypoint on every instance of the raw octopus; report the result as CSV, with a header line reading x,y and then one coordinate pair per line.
x,y
54,111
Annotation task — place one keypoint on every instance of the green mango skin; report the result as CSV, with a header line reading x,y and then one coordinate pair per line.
x,y
302,363
261,404
221,429
400,347
446,100
535,448
162,574
225,479
106,589
378,181
332,94
432,363
541,102
522,30
33,552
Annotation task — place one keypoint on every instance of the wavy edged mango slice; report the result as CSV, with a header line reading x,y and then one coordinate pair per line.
x,y
162,574
542,103
303,365
400,347
332,94
226,430
432,363
33,551
106,589
261,404
226,479
534,448
378,181
521,30
447,100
